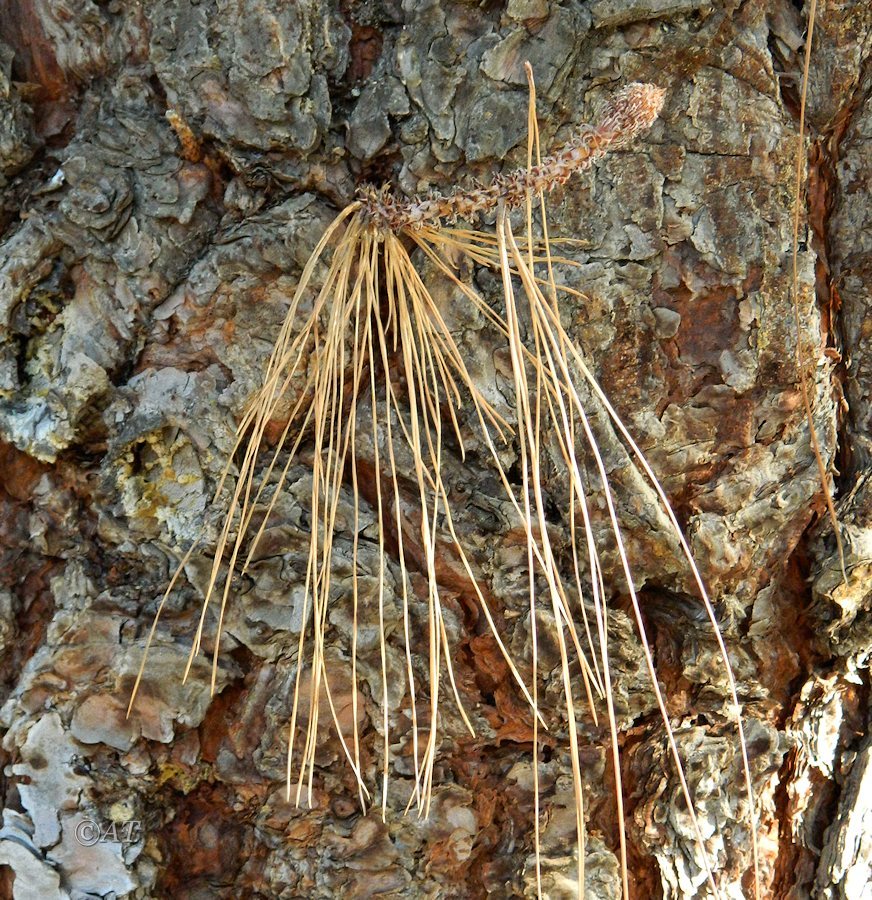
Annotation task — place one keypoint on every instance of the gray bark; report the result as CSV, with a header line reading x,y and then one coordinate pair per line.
x,y
165,171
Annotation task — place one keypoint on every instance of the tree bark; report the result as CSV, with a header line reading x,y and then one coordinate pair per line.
x,y
165,171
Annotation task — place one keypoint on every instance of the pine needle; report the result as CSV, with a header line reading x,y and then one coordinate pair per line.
x,y
376,337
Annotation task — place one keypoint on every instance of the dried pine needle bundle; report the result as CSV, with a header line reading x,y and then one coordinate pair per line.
x,y
368,356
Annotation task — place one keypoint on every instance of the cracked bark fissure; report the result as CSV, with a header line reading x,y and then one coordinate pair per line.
x,y
142,281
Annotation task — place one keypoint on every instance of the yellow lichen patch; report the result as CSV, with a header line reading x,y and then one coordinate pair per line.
x,y
182,778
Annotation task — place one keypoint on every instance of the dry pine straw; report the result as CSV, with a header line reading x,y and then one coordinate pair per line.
x,y
329,377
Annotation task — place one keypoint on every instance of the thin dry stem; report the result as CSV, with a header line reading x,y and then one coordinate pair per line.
x,y
628,113
800,354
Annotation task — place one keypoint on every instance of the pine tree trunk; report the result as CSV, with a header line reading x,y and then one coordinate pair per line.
x,y
165,170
